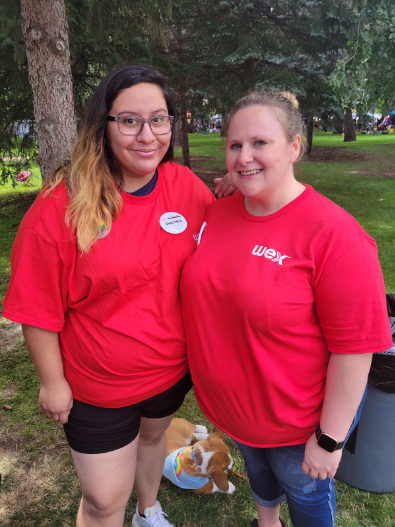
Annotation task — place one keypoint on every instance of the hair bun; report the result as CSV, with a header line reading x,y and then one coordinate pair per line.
x,y
291,98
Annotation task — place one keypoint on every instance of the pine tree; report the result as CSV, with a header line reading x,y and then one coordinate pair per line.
x,y
224,49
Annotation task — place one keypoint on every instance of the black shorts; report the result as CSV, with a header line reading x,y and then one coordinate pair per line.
x,y
94,430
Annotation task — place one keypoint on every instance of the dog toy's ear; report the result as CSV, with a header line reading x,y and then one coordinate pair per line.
x,y
217,432
219,478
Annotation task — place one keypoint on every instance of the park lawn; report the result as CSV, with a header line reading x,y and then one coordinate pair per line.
x,y
39,485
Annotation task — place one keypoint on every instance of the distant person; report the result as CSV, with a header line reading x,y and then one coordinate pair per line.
x,y
283,369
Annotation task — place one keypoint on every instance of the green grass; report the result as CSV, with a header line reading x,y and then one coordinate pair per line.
x,y
39,485
33,184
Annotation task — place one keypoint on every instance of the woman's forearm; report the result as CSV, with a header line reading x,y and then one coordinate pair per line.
x,y
44,350
56,397
345,384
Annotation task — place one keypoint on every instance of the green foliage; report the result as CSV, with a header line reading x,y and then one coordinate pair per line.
x,y
16,107
106,34
363,78
221,50
380,23
349,79
213,53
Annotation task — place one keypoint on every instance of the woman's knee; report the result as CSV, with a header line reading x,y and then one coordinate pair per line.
x,y
103,505
152,431
151,437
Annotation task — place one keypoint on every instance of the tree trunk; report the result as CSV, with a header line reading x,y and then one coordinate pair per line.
x,y
177,133
46,33
225,122
349,128
184,134
309,134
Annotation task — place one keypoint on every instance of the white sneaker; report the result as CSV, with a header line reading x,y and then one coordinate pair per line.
x,y
154,517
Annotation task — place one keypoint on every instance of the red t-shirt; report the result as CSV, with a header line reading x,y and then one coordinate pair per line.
x,y
265,301
117,308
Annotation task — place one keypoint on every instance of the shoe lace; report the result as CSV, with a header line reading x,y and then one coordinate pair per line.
x,y
158,519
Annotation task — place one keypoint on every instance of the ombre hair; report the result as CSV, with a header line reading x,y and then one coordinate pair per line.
x,y
90,174
286,108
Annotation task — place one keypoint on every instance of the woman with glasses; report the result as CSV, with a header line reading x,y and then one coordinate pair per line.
x,y
95,272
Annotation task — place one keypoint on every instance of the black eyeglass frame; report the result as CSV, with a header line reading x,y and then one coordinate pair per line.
x,y
143,121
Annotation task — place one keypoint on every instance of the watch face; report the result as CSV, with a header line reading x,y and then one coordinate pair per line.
x,y
328,443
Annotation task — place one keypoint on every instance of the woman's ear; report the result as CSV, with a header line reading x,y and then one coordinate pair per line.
x,y
295,148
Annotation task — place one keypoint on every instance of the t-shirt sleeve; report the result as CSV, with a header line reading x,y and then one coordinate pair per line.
x,y
37,293
351,304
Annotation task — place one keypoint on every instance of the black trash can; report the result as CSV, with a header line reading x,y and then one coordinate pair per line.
x,y
372,465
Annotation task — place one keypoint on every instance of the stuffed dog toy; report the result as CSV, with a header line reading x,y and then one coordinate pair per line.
x,y
201,467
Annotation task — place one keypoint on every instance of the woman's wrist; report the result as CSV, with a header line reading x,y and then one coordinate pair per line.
x,y
53,382
327,442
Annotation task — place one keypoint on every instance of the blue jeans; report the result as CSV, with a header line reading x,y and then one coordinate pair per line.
x,y
275,475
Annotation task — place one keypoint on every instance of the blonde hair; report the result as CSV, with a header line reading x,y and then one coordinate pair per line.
x,y
286,108
93,176
95,202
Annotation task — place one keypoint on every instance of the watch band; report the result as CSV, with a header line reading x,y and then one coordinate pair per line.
x,y
327,442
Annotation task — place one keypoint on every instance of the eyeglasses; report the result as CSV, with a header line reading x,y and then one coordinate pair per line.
x,y
132,125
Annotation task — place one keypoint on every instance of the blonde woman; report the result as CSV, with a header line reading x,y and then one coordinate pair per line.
x,y
95,272
300,291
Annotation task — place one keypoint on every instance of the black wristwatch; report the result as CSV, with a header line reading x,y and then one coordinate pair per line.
x,y
326,441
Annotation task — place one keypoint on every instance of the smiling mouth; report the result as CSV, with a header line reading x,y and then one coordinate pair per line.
x,y
250,172
144,151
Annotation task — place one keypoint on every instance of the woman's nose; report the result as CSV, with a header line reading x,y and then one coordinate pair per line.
x,y
245,156
146,134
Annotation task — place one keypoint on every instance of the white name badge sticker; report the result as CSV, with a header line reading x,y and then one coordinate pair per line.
x,y
173,222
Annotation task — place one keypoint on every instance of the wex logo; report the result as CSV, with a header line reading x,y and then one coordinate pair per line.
x,y
270,254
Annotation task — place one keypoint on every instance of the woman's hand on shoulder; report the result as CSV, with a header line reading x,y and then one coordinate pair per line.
x,y
318,463
56,400
225,186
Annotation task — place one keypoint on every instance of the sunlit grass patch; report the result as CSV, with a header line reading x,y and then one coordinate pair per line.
x,y
40,492
34,183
